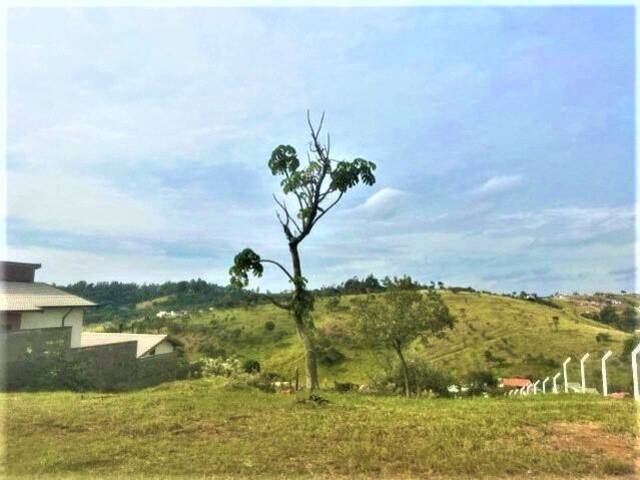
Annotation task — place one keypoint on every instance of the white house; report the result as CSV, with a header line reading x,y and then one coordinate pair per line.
x,y
26,304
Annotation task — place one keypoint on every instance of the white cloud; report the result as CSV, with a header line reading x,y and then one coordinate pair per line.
x,y
383,204
498,184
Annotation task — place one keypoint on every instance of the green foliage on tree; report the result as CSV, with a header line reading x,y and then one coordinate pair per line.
x,y
395,319
314,188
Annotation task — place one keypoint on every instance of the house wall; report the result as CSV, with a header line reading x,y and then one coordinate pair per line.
x,y
52,317
24,349
162,348
23,344
156,369
107,367
10,321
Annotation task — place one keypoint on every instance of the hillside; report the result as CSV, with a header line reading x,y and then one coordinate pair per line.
x,y
506,335
210,428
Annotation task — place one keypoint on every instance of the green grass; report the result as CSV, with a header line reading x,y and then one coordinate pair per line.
x,y
511,329
206,429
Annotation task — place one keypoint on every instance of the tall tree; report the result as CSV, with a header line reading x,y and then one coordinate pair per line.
x,y
394,319
315,189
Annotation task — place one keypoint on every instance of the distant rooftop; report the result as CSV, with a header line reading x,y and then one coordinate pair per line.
x,y
516,382
145,341
30,297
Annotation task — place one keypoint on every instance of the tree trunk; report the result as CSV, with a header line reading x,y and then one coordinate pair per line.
x,y
405,371
310,356
299,317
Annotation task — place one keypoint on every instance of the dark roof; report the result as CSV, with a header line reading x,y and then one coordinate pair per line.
x,y
35,266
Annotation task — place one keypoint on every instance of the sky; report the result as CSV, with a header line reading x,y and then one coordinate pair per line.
x,y
138,141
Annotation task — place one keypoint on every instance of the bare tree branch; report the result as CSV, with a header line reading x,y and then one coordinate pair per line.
x,y
285,225
323,212
279,265
276,302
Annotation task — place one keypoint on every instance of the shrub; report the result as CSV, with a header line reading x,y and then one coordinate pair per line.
x,y
327,353
481,381
333,303
251,366
345,387
335,330
214,367
269,326
175,328
422,378
603,338
212,350
490,357
263,382
629,344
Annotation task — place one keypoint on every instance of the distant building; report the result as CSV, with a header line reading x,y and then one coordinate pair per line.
x,y
39,321
514,383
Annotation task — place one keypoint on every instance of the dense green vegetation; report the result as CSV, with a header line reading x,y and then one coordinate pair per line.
x,y
118,301
626,319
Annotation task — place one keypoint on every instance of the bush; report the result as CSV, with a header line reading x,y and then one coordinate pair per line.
x,y
212,350
333,304
603,338
422,378
263,382
269,326
629,344
251,366
326,353
481,381
490,357
345,387
215,367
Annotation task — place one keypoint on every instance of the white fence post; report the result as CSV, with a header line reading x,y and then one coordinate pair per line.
x,y
582,360
634,370
555,382
544,385
535,387
564,369
605,389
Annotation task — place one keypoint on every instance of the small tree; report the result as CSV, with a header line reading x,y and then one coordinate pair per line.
x,y
315,188
556,322
628,321
398,317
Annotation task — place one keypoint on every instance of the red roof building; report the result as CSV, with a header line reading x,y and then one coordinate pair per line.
x,y
514,382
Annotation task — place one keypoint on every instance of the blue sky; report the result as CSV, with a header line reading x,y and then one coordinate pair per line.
x,y
504,137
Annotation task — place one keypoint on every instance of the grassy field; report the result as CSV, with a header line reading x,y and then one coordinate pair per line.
x,y
520,334
206,428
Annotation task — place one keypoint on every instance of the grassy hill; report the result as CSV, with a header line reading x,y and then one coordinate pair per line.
x,y
209,428
506,335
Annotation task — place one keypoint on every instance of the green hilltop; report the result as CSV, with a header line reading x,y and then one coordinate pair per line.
x,y
507,335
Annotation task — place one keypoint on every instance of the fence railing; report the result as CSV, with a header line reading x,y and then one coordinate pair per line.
x,y
532,388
